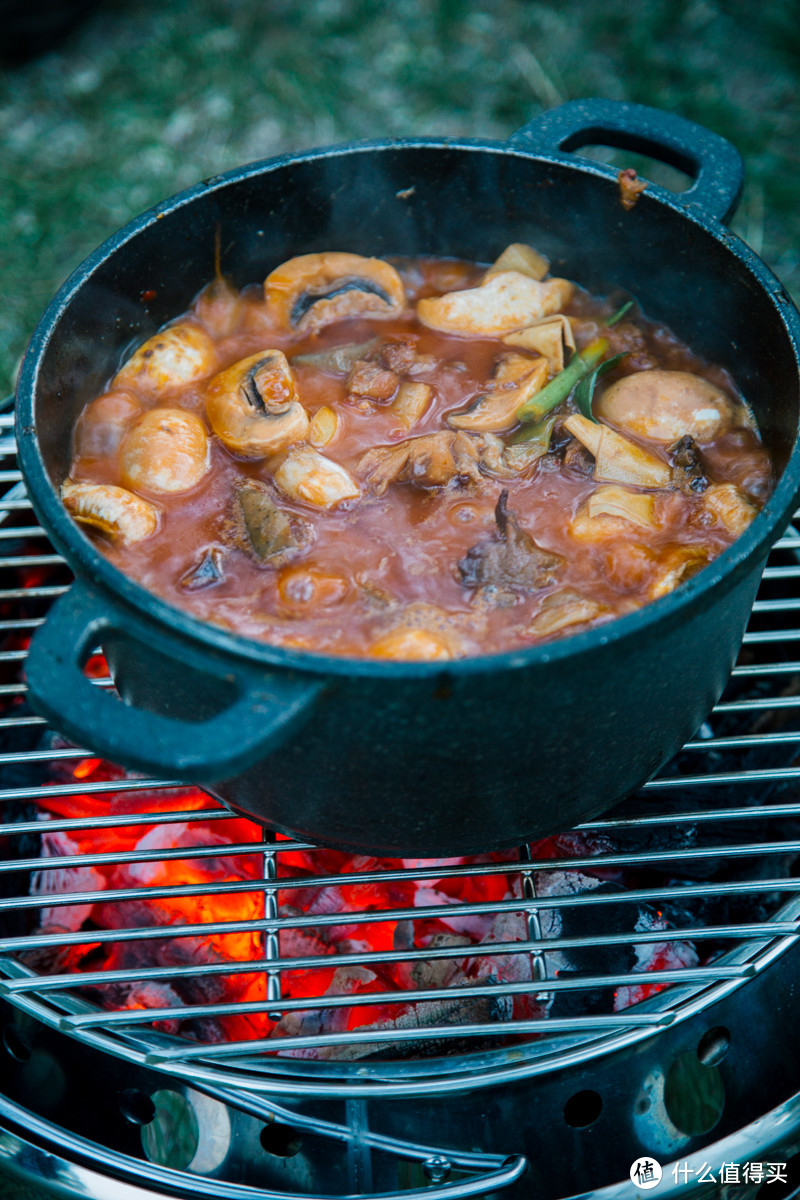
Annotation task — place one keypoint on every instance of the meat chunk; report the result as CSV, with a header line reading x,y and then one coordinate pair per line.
x,y
399,357
510,562
368,379
431,460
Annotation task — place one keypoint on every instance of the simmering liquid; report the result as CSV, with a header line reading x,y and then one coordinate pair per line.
x,y
484,540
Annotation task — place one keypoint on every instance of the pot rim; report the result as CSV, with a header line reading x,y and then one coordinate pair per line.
x,y
85,559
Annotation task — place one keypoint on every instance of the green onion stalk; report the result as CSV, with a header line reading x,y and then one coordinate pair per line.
x,y
559,388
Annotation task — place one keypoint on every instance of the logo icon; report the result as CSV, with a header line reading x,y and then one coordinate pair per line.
x,y
646,1173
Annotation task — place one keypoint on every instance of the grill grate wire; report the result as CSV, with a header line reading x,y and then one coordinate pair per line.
x,y
729,795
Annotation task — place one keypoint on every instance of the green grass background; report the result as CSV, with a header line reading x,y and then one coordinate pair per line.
x,y
148,96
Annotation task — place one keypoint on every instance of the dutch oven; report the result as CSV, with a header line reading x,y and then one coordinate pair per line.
x,y
414,758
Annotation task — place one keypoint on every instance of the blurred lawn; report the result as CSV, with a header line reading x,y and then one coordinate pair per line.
x,y
151,95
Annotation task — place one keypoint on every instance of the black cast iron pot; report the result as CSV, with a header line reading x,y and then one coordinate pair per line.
x,y
414,758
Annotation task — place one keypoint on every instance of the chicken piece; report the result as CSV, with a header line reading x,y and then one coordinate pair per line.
x,y
617,458
630,188
165,452
269,534
730,506
523,258
680,564
563,609
432,460
510,562
666,405
516,378
253,406
305,474
550,336
506,301
179,354
314,290
112,511
612,512
368,379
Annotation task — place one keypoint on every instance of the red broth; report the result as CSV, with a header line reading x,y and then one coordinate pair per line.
x,y
406,572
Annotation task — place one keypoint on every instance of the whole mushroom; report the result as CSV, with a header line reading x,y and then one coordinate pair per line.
x,y
253,407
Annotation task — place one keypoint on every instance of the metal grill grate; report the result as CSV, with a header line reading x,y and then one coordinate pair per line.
x,y
704,856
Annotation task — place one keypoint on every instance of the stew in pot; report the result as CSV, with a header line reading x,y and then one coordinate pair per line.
x,y
422,459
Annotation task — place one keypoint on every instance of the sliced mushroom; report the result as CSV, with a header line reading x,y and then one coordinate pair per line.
x,y
264,530
305,474
665,405
516,378
432,460
730,506
179,354
509,562
550,336
506,301
314,290
563,610
103,424
166,451
411,403
113,511
253,407
617,459
523,258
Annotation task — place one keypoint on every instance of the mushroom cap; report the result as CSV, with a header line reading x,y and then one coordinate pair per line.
x,y
506,301
666,405
166,451
253,407
178,355
314,290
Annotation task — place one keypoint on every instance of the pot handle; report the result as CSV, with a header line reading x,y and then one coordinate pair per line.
x,y
712,161
263,713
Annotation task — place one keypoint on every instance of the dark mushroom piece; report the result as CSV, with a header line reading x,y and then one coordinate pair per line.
x,y
205,573
264,530
688,470
510,562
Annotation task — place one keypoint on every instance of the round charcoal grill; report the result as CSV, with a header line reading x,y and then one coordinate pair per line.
x,y
537,1074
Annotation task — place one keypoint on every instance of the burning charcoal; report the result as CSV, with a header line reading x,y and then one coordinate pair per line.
x,y
462,1010
654,956
511,561
205,573
586,922
688,470
268,533
435,972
